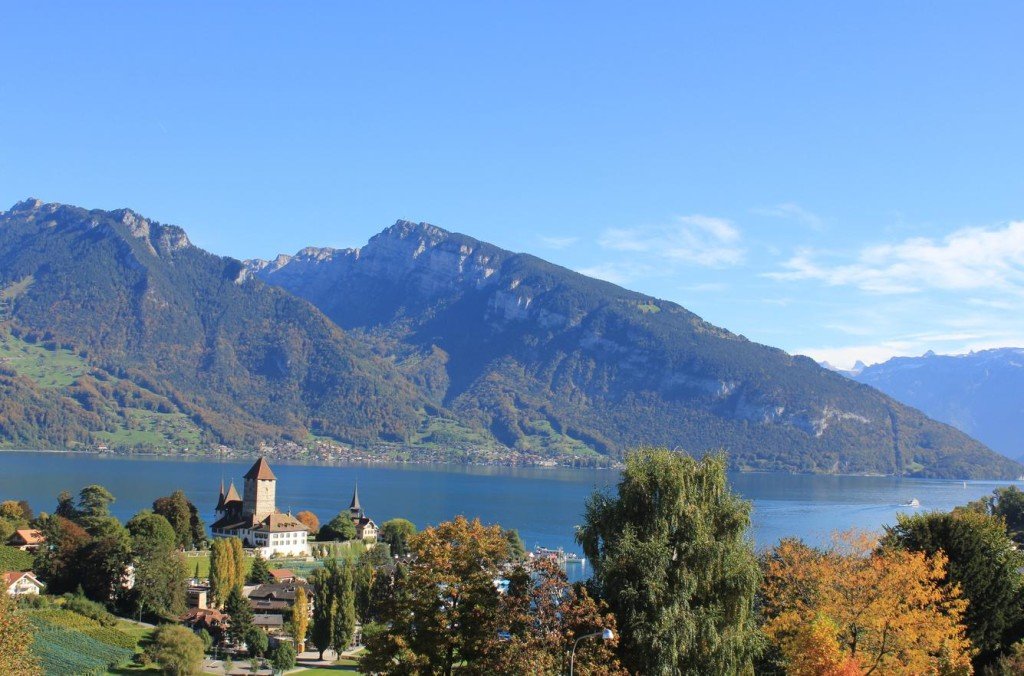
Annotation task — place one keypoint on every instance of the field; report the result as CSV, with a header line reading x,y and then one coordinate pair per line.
x,y
48,368
68,643
12,558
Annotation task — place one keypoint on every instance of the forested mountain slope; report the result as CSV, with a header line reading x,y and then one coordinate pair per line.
x,y
179,329
544,358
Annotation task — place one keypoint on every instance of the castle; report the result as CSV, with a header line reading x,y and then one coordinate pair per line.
x,y
254,518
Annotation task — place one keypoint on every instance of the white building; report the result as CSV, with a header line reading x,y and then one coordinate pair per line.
x,y
21,584
254,518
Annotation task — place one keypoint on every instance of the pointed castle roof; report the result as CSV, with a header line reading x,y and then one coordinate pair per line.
x,y
232,495
261,471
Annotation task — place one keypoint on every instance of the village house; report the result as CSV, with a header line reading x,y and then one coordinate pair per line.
x,y
27,539
255,519
22,584
366,529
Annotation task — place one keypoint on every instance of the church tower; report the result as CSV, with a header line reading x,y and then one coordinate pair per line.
x,y
260,490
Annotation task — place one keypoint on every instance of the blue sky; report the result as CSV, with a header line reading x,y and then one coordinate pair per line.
x,y
840,180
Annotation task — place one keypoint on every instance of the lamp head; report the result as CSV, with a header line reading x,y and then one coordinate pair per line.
x,y
607,635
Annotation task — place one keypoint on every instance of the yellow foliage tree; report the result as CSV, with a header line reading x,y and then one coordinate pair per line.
x,y
300,618
856,609
16,657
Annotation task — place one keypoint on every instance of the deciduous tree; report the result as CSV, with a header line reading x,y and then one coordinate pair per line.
x,y
396,533
160,571
16,657
445,609
300,618
890,609
309,520
672,557
983,561
177,650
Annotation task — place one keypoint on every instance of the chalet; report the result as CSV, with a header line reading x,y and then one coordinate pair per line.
x,y
255,519
275,597
27,539
366,529
283,575
210,619
21,584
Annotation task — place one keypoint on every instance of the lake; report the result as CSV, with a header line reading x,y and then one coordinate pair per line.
x,y
544,504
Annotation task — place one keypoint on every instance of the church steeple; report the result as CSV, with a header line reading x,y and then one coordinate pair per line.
x,y
355,509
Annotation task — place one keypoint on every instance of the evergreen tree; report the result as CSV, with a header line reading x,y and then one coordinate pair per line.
x,y
259,573
672,558
239,610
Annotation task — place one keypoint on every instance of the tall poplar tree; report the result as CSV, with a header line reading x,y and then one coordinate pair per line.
x,y
672,558
300,618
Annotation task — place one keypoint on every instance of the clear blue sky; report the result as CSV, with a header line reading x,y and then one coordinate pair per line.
x,y
838,179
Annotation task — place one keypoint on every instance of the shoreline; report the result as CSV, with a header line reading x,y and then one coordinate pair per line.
x,y
237,456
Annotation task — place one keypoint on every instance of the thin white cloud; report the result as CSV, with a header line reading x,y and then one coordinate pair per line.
x,y
558,242
968,259
794,212
608,272
701,240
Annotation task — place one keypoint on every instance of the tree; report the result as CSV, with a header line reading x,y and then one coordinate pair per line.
x,y
206,638
259,573
16,636
672,559
257,641
102,563
541,616
175,508
339,528
324,608
517,550
889,609
177,650
283,658
396,534
66,506
227,568
445,608
983,561
345,620
57,562
239,610
1006,502
300,618
309,520
160,570
94,502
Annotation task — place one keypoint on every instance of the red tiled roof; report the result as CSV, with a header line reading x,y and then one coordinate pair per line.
x,y
30,536
282,574
261,471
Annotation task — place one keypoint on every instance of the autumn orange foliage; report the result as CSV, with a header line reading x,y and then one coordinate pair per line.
x,y
856,609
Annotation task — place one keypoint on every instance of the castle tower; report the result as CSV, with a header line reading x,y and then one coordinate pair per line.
x,y
260,491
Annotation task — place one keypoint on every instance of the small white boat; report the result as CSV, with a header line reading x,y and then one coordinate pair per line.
x,y
913,502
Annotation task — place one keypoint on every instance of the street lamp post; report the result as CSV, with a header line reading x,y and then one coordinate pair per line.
x,y
605,634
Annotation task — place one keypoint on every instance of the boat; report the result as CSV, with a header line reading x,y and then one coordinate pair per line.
x,y
559,556
913,502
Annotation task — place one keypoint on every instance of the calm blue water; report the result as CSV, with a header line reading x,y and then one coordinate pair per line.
x,y
544,504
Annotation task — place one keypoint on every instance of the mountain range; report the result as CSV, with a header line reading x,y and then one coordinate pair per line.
x,y
116,330
979,393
